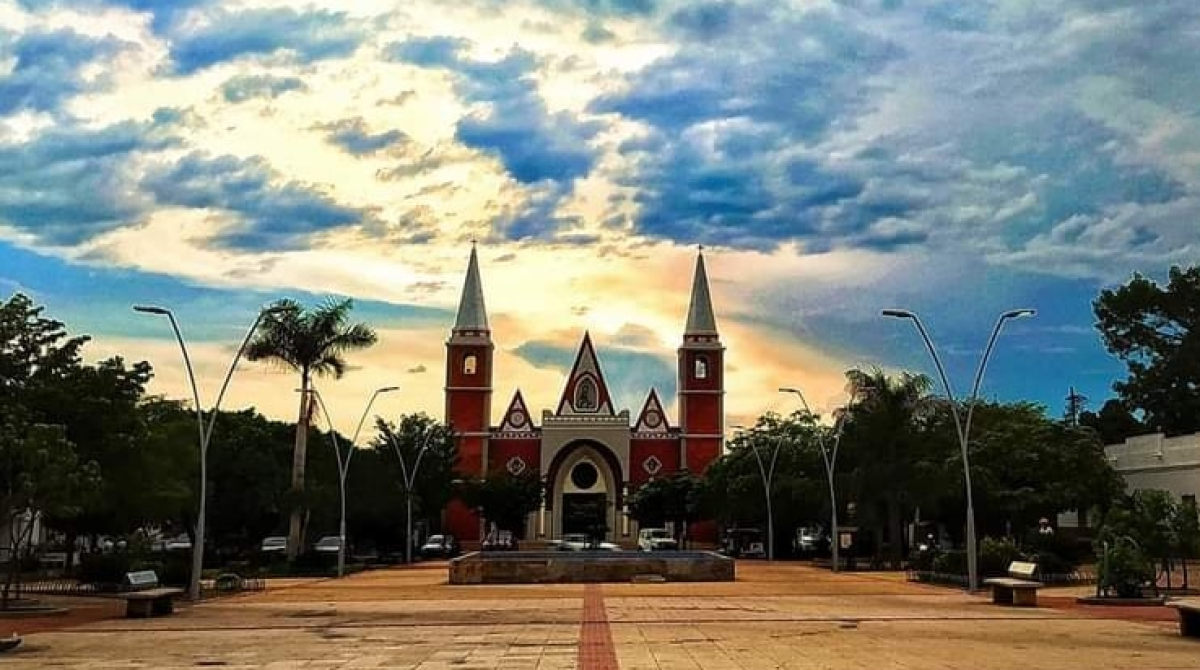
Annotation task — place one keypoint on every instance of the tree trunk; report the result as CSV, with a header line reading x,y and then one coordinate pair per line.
x,y
895,530
299,458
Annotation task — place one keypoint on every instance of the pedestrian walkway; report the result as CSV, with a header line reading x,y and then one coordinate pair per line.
x,y
774,616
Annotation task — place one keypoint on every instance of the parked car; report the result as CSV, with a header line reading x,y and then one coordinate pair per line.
x,y
276,544
440,546
656,539
178,543
808,540
330,544
743,543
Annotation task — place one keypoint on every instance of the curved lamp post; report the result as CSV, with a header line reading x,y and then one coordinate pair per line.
x,y
205,431
343,463
410,477
963,427
830,460
768,480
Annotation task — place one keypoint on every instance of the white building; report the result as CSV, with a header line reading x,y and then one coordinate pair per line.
x,y
1153,462
1158,462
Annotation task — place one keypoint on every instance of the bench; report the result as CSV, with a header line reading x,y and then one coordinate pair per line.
x,y
1189,616
148,598
1018,588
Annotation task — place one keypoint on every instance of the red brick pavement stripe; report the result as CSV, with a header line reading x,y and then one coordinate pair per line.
x,y
596,650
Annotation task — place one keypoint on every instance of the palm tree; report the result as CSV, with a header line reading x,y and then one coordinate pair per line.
x,y
311,342
885,428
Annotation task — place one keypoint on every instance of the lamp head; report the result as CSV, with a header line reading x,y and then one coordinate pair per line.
x,y
899,313
387,389
151,309
789,389
1018,313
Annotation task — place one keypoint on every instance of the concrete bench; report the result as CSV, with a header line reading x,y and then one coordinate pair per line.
x,y
148,598
1018,588
1189,616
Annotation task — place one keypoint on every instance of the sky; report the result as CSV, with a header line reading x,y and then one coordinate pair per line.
x,y
833,158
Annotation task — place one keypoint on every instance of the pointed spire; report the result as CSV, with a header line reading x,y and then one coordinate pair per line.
x,y
700,318
472,315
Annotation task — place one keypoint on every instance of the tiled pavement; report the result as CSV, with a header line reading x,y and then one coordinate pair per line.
x,y
782,616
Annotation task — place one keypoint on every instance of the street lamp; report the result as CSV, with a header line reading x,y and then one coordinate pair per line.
x,y
830,460
963,428
410,476
205,432
768,479
343,464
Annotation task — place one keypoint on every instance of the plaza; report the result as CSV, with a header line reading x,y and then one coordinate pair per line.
x,y
782,615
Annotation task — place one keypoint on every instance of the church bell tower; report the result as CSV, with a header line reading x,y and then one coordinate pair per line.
x,y
469,353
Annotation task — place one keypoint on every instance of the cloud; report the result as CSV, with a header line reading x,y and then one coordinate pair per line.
x,y
248,87
354,136
48,67
267,213
228,35
69,184
546,152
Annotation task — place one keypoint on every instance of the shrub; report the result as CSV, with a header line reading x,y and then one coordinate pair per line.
x,y
952,562
1125,570
995,554
107,568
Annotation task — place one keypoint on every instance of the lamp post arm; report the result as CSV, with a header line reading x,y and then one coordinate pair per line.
x,y
187,363
358,429
337,450
237,357
987,353
937,362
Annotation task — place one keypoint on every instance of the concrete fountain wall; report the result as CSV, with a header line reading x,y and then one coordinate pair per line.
x,y
559,567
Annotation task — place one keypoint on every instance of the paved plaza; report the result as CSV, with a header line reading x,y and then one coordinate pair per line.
x,y
774,616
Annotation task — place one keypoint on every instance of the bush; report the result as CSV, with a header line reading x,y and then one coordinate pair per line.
x,y
995,555
1050,563
1125,569
107,568
952,562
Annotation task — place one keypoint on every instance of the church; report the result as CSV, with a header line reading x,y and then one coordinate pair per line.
x,y
590,455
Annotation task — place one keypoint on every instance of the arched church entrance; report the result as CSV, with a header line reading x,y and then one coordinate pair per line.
x,y
585,491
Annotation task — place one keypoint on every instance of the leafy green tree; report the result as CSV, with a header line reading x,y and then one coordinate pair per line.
x,y
313,343
1026,465
1114,422
40,474
733,487
674,498
433,478
1155,330
503,498
888,452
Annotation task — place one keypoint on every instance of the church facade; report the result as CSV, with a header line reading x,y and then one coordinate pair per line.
x,y
590,454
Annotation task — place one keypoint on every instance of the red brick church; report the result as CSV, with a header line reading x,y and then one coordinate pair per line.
x,y
590,454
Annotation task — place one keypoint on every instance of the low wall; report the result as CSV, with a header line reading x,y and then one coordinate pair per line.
x,y
542,567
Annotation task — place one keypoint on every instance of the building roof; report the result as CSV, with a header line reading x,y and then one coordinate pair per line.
x,y
472,314
700,318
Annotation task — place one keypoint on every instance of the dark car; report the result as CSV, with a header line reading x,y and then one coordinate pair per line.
x,y
440,546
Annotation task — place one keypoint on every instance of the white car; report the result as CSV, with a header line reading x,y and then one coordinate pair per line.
x,y
330,544
580,542
656,539
275,544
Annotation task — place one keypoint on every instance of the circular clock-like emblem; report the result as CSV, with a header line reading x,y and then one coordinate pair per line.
x,y
517,418
652,465
516,465
653,419
584,475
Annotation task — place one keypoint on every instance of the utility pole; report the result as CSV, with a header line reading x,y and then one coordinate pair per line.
x,y
1076,402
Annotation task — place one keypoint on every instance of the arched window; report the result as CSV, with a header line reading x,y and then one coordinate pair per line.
x,y
585,395
469,364
701,368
